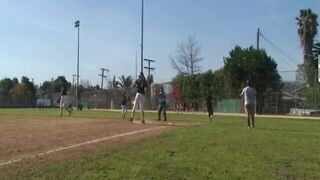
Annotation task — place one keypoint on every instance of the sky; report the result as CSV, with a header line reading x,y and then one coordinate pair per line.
x,y
38,38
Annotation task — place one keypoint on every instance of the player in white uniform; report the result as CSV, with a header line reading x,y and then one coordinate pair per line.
x,y
249,94
63,101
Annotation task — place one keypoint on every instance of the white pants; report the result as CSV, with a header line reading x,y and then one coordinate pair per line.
x,y
124,107
64,101
139,99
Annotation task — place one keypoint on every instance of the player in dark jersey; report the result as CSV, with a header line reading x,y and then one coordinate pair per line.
x,y
162,105
209,106
141,85
124,101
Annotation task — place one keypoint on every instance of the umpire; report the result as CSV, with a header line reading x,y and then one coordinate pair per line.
x,y
162,105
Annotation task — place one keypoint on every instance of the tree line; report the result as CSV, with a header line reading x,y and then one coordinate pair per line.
x,y
15,93
191,85
241,64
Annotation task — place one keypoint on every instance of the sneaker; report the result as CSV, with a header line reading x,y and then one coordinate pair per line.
x,y
249,127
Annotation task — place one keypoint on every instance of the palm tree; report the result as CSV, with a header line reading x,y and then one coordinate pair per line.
x,y
307,30
316,55
125,82
316,50
114,83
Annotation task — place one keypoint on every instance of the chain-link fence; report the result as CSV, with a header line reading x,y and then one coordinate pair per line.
x,y
299,95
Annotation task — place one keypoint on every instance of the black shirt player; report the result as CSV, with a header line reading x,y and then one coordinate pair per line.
x,y
141,85
209,106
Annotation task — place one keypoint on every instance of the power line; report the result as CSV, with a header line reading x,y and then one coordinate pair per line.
x,y
288,71
292,60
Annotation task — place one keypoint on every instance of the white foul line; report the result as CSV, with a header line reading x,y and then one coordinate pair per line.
x,y
78,145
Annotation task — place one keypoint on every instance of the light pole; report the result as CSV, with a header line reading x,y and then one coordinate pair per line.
x,y
142,7
77,25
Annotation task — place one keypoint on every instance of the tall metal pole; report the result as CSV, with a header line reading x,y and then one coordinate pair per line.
x,y
73,79
102,76
142,1
258,44
258,38
136,65
77,25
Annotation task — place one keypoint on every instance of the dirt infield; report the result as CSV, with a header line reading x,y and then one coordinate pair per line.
x,y
52,138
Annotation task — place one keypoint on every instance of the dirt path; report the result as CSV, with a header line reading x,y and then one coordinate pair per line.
x,y
42,139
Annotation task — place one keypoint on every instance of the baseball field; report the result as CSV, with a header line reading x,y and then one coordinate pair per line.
x,y
37,144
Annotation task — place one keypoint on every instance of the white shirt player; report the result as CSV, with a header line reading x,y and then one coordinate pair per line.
x,y
249,95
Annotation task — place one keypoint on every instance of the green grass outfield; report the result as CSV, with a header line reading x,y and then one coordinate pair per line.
x,y
226,149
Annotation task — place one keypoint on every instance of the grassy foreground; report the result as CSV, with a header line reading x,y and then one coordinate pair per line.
x,y
225,149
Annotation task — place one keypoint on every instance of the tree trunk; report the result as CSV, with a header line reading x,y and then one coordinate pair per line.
x,y
307,52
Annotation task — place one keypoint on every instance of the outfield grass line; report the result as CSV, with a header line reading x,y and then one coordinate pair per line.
x,y
223,114
78,145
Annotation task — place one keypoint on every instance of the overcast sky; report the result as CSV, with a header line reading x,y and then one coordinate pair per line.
x,y
38,38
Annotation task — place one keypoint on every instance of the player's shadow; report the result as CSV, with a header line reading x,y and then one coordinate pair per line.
x,y
285,130
175,124
238,124
258,127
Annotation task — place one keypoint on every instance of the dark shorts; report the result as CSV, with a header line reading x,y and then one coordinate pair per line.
x,y
249,109
209,109
162,107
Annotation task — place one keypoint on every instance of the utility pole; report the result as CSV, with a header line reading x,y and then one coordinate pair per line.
x,y
103,76
73,79
149,68
258,39
142,7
